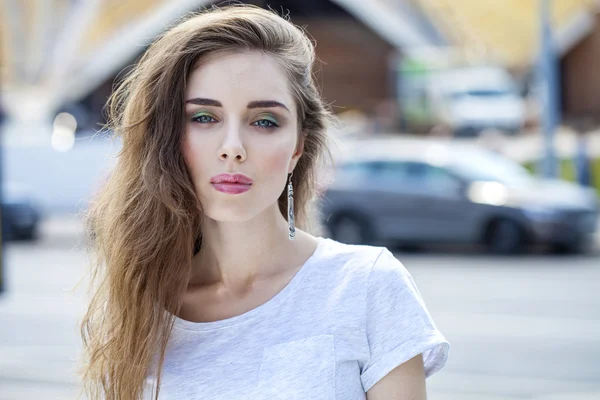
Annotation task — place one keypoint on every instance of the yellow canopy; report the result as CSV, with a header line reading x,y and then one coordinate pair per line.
x,y
508,31
54,51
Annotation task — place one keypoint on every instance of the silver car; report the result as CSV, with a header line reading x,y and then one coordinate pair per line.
x,y
420,192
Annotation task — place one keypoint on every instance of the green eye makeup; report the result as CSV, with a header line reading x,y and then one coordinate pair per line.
x,y
203,117
266,121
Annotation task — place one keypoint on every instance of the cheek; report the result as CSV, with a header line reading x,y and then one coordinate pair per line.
x,y
277,161
187,152
192,155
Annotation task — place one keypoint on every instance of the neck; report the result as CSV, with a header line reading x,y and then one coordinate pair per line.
x,y
236,254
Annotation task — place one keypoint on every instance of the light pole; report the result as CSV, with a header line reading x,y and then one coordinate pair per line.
x,y
548,91
2,223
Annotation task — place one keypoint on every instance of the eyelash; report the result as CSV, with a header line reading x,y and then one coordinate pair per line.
x,y
272,124
197,118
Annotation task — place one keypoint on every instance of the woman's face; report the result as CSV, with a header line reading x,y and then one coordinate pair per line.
x,y
240,119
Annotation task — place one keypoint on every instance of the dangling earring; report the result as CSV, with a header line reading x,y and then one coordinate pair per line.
x,y
290,202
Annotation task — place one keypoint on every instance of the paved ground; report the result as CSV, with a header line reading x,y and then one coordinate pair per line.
x,y
520,328
526,328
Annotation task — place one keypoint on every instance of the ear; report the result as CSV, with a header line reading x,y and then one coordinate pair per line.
x,y
297,153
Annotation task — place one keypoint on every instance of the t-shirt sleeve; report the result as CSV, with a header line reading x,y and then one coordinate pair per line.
x,y
398,325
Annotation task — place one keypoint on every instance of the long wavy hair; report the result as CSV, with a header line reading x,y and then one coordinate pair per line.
x,y
144,224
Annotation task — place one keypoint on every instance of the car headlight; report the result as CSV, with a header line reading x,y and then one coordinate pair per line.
x,y
492,193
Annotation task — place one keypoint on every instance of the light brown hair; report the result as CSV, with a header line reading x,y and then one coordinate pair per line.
x,y
144,223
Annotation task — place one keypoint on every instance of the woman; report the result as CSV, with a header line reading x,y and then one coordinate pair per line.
x,y
206,288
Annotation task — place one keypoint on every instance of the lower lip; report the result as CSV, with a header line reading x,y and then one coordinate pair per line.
x,y
231,188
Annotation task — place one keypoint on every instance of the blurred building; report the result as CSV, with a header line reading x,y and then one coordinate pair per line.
x,y
64,55
357,44
580,78
508,32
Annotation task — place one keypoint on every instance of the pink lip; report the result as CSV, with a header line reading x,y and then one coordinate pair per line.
x,y
231,178
231,188
232,184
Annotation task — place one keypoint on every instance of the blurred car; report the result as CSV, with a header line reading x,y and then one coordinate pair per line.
x,y
20,213
474,99
417,192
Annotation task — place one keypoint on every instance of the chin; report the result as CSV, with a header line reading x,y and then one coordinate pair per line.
x,y
230,214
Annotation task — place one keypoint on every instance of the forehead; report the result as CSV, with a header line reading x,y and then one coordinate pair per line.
x,y
240,77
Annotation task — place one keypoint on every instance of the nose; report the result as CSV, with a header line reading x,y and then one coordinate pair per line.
x,y
232,147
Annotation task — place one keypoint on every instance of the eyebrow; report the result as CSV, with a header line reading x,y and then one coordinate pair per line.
x,y
266,104
204,102
253,104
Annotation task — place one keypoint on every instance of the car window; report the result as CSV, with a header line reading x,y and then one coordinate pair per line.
x,y
429,175
487,165
441,178
391,171
359,170
414,174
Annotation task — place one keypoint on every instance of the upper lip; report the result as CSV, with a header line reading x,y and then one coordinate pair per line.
x,y
231,178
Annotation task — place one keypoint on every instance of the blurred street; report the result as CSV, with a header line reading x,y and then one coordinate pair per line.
x,y
520,327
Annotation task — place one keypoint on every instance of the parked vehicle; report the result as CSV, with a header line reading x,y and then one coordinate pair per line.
x,y
471,100
419,192
20,214
440,88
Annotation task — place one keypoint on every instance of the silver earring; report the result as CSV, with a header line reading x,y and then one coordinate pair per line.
x,y
290,202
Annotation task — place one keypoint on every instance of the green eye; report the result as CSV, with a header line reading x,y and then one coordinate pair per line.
x,y
266,122
203,118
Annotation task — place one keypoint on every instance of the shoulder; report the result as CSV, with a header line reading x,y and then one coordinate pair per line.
x,y
359,261
361,257
373,258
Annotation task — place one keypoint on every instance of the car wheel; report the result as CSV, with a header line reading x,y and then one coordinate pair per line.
x,y
409,247
351,230
29,235
574,246
505,237
7,234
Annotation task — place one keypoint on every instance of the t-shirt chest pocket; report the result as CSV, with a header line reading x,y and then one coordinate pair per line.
x,y
298,370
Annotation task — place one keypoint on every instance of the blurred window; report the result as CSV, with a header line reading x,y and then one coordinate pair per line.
x,y
429,176
411,173
361,167
400,172
490,166
391,171
360,170
482,93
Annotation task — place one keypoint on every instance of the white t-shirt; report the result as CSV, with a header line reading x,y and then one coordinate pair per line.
x,y
348,317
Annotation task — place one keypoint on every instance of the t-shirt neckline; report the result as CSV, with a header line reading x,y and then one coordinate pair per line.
x,y
261,309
